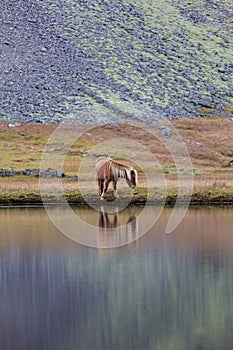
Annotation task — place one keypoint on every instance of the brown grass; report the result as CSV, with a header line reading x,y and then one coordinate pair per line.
x,y
216,135
28,140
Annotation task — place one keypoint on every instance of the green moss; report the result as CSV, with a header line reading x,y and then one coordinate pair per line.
x,y
158,55
140,196
19,198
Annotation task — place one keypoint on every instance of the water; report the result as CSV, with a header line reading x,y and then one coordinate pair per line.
x,y
170,292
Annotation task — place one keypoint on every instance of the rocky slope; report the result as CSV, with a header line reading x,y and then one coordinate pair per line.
x,y
99,61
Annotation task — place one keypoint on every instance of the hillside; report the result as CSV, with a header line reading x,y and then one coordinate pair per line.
x,y
104,60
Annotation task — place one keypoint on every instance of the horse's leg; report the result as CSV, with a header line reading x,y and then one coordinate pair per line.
x,y
114,185
100,186
105,188
98,183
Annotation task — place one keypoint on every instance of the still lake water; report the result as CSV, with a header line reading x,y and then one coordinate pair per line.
x,y
165,292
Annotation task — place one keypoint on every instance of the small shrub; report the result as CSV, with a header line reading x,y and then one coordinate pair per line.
x,y
225,162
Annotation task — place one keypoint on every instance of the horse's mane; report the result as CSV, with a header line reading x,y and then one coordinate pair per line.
x,y
119,169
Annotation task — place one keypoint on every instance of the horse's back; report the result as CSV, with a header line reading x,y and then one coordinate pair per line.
x,y
101,165
101,161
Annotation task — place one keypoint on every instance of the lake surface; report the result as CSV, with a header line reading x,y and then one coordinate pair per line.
x,y
162,291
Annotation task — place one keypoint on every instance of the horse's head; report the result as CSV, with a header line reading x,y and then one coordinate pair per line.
x,y
132,178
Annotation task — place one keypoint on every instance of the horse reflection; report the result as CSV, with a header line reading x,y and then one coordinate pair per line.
x,y
116,229
106,222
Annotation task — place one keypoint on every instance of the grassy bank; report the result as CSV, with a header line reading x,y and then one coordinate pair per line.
x,y
140,197
208,142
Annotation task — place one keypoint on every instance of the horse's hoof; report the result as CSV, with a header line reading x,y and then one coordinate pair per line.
x,y
102,198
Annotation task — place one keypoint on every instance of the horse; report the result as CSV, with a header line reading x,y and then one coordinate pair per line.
x,y
109,170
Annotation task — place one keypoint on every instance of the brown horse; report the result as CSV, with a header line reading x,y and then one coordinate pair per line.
x,y
108,170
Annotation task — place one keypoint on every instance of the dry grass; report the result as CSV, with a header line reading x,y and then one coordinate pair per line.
x,y
27,143
216,135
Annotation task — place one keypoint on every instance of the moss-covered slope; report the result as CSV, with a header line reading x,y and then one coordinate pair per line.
x,y
101,60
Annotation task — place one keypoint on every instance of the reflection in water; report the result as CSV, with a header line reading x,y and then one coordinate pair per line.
x,y
82,225
113,231
161,292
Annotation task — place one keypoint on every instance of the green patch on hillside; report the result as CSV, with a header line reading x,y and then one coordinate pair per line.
x,y
163,57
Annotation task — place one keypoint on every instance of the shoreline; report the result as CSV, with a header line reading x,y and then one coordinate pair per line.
x,y
198,198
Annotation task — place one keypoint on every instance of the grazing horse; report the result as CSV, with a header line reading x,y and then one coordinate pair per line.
x,y
108,170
